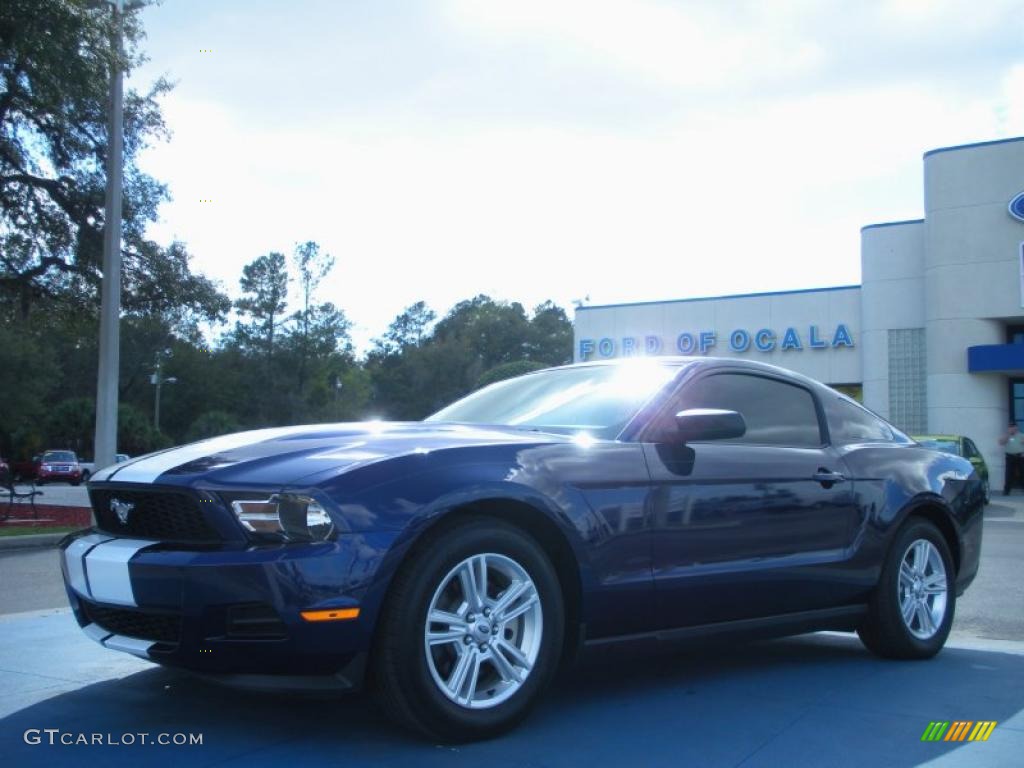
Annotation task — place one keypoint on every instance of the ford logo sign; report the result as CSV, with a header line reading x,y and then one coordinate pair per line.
x,y
1017,207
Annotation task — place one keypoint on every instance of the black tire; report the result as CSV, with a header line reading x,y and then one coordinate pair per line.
x,y
85,476
400,675
76,483
884,630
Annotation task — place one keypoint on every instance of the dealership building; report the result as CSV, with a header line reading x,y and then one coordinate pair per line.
x,y
932,338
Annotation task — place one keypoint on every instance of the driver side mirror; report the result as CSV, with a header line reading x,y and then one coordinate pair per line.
x,y
699,424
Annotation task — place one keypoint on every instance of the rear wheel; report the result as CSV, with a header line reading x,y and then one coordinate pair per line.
x,y
471,633
912,610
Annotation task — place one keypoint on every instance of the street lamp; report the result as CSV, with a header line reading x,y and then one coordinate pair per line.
x,y
159,380
105,447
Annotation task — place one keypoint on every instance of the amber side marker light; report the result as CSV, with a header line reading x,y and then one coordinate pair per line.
x,y
339,614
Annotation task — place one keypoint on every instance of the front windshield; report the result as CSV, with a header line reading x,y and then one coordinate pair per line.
x,y
946,446
597,399
58,456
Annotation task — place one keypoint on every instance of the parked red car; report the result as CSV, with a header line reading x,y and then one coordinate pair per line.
x,y
58,466
25,469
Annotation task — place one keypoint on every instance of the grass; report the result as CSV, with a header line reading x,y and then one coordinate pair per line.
x,y
25,530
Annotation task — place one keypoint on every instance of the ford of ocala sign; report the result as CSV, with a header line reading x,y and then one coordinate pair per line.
x,y
704,342
1017,207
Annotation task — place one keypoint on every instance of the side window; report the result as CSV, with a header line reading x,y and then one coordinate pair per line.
x,y
970,449
849,423
776,413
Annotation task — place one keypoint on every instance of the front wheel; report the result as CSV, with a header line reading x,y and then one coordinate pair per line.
x,y
912,610
471,633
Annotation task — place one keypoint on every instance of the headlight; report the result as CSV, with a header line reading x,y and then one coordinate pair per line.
x,y
296,518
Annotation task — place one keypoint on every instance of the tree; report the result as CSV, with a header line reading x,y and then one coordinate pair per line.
x,y
70,424
409,329
55,62
265,283
479,341
313,266
212,424
29,373
493,331
550,339
135,433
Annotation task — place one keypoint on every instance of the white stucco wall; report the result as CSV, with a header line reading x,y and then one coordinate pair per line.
x,y
972,285
824,309
892,296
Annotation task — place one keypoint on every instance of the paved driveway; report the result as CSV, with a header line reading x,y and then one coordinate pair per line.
x,y
815,700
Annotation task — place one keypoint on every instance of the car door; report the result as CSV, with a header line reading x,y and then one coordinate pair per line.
x,y
741,528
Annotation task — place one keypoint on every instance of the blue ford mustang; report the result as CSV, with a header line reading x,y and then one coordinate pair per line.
x,y
452,564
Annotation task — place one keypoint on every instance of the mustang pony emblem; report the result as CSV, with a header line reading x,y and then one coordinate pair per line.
x,y
122,509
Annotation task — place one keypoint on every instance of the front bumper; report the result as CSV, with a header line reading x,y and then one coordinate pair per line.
x,y
224,612
65,477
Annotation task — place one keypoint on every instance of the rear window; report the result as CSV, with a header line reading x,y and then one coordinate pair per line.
x,y
850,422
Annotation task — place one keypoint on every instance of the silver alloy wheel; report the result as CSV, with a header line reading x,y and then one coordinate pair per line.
x,y
483,630
922,589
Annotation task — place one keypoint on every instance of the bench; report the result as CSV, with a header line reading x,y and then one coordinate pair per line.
x,y
16,495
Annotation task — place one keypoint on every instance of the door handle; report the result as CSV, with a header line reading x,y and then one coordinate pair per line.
x,y
827,477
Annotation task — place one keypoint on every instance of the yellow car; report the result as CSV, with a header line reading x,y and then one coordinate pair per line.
x,y
958,445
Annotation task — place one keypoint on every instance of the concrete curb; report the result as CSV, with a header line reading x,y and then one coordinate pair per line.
x,y
30,541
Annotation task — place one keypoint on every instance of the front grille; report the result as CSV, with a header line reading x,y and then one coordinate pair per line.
x,y
162,515
160,628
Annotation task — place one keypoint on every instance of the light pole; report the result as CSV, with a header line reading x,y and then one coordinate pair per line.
x,y
105,446
158,379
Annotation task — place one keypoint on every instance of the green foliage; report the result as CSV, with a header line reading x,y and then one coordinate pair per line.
x,y
71,425
412,379
212,424
55,63
135,433
264,286
29,373
409,329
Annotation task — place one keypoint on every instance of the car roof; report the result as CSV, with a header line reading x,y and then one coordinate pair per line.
x,y
681,361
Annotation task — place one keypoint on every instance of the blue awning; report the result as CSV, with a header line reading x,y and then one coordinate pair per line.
x,y
996,358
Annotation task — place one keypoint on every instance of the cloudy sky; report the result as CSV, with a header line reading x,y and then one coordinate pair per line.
x,y
625,150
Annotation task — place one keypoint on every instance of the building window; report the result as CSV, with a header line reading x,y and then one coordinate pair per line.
x,y
1017,401
908,402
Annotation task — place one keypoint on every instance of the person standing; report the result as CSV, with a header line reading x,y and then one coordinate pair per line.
x,y
1013,444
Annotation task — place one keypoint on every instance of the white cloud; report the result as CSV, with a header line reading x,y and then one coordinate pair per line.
x,y
693,46
719,195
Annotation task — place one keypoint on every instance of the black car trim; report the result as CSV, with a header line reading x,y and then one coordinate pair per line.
x,y
843,618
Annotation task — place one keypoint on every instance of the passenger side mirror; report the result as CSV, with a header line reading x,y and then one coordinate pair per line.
x,y
699,424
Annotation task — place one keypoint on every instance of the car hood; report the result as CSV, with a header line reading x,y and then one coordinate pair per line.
x,y
284,455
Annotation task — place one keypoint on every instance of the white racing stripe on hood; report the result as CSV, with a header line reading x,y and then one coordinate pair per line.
x,y
147,470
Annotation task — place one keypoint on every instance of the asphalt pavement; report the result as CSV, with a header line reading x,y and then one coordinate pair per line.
x,y
818,699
